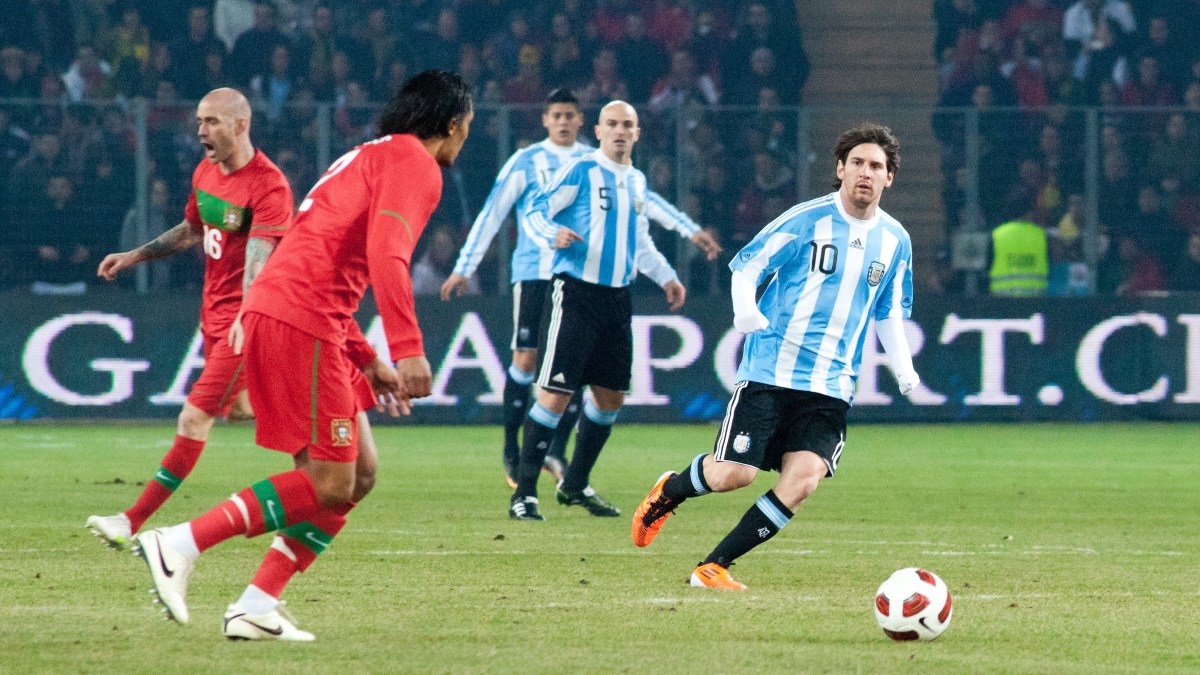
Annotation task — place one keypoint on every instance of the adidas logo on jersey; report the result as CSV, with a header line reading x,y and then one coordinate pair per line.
x,y
857,243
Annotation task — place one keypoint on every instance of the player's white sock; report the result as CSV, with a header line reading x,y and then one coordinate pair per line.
x,y
179,538
255,601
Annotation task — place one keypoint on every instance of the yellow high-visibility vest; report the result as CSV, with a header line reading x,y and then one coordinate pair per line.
x,y
1020,264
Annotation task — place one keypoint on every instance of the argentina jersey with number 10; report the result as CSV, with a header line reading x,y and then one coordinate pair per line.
x,y
601,201
832,274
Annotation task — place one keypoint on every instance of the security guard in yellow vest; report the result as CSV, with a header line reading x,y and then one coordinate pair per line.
x,y
1020,264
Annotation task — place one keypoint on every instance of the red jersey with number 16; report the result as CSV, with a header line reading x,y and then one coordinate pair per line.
x,y
228,209
358,225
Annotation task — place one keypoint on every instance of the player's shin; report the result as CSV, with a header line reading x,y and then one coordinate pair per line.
x,y
562,435
764,520
266,506
293,550
178,463
688,483
539,431
516,406
594,430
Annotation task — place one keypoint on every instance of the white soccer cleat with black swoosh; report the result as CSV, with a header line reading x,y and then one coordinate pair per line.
x,y
115,531
274,625
170,571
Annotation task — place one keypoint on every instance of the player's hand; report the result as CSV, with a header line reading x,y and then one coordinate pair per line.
x,y
453,286
416,377
564,237
750,321
676,294
237,335
115,262
707,243
908,381
385,382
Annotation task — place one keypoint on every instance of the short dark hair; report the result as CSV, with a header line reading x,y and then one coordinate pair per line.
x,y
868,132
426,105
562,95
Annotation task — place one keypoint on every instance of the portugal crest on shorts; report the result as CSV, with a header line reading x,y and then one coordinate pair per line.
x,y
741,444
875,273
340,432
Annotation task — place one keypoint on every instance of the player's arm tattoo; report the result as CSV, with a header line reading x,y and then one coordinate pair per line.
x,y
170,242
257,251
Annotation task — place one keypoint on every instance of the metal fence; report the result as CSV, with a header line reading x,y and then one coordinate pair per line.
x,y
128,166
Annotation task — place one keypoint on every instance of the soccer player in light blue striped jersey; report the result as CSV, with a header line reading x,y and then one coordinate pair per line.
x,y
523,175
593,213
833,264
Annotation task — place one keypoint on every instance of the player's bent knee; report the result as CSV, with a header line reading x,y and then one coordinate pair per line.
x,y
364,482
194,422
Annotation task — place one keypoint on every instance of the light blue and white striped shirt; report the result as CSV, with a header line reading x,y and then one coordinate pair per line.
x,y
832,273
606,204
525,173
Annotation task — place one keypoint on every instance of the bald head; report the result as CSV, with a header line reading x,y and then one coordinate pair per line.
x,y
223,121
617,131
227,101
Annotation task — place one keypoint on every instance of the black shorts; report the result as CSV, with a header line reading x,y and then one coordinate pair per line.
x,y
589,339
529,302
763,422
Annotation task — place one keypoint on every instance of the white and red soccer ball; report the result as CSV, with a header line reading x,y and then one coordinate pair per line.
x,y
913,604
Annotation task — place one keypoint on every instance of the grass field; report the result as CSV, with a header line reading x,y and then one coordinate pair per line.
x,y
1068,549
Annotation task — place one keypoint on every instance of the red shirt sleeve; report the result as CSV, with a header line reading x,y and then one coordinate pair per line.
x,y
405,189
273,212
191,212
360,351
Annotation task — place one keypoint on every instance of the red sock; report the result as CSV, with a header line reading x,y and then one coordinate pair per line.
x,y
176,466
297,547
267,505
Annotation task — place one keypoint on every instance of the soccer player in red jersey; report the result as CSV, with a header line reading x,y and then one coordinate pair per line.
x,y
240,206
358,225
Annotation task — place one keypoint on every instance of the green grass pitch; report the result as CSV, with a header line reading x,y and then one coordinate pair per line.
x,y
1068,549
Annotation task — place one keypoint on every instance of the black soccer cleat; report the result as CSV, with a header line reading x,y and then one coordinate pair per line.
x,y
588,499
525,508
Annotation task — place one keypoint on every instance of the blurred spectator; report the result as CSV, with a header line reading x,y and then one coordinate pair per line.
x,y
189,53
605,84
160,217
14,144
1116,187
440,49
14,81
765,28
1174,157
1020,260
505,48
1099,35
683,85
29,178
251,54
45,28
394,77
479,18
215,74
566,59
1160,43
273,90
437,262
89,77
772,179
130,43
67,242
708,42
761,74
642,60
1069,273
231,18
952,17
716,201
385,45
669,23
144,79
1146,86
108,192
1127,269
1037,22
336,87
526,86
1185,272
353,116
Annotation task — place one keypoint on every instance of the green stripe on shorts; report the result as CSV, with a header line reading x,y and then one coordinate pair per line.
x,y
313,403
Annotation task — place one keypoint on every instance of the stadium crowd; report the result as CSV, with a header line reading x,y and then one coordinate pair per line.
x,y
69,70
1022,64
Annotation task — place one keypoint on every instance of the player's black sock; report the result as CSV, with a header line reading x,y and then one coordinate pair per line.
x,y
595,426
767,517
516,404
562,435
539,430
688,483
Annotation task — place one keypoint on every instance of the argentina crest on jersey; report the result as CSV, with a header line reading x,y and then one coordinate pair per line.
x,y
741,444
875,273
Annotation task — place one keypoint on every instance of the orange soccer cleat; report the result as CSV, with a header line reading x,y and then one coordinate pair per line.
x,y
650,515
712,575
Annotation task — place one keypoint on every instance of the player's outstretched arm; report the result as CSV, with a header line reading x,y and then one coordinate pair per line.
x,y
168,243
707,243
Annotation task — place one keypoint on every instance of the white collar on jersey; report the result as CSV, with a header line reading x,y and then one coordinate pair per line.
x,y
564,151
603,160
855,222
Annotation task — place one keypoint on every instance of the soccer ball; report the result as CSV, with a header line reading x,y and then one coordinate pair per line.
x,y
913,604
